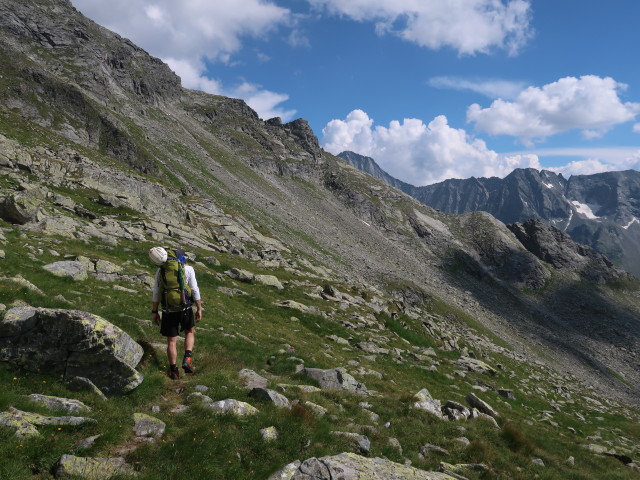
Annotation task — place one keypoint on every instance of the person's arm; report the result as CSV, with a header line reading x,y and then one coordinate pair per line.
x,y
155,316
195,291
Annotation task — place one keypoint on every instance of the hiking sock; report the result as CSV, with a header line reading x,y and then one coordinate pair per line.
x,y
186,362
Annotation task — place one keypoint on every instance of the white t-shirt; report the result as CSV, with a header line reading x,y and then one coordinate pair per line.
x,y
190,275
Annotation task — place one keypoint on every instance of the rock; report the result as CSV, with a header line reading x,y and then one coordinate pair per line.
x,y
269,280
76,270
148,426
198,397
251,379
315,408
372,348
104,266
293,305
336,379
58,403
71,343
276,398
20,282
82,383
240,275
93,468
286,472
85,443
22,207
26,423
537,461
395,443
455,469
427,449
269,434
425,402
456,411
475,365
361,441
481,405
231,407
506,393
349,466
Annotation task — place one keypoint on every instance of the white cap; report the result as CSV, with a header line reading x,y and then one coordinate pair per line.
x,y
158,255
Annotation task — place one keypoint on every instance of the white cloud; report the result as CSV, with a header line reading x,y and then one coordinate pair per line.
x,y
185,34
593,160
636,128
491,88
417,153
589,103
188,29
468,26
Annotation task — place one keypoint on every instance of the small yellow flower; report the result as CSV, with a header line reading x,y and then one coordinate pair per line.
x,y
15,378
59,428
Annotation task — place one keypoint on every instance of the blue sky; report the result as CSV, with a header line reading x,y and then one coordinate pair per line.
x,y
430,89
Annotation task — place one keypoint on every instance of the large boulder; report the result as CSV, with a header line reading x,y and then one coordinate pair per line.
x,y
349,466
336,379
71,343
22,207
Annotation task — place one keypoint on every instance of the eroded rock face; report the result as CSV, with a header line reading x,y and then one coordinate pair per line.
x,y
71,343
556,247
21,208
349,466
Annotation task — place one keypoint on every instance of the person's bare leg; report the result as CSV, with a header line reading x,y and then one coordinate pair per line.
x,y
172,352
189,339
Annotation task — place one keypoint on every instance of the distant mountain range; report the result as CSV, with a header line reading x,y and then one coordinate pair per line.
x,y
600,210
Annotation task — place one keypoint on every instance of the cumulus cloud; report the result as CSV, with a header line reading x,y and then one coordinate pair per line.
x,y
468,26
419,153
593,160
492,88
185,34
589,103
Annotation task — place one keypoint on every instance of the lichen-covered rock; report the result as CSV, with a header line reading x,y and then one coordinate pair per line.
x,y
59,403
231,407
336,379
21,207
475,365
349,466
269,280
93,468
147,426
76,270
269,434
71,343
26,423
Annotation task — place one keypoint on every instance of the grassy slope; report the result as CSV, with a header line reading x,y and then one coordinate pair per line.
x,y
198,444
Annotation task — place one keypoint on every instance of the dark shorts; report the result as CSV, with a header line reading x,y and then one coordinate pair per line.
x,y
171,320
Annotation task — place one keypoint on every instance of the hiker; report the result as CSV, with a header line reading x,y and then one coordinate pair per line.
x,y
176,288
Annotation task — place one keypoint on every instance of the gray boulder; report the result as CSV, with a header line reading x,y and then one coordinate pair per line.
x,y
76,270
58,403
26,423
349,466
71,343
251,379
22,207
336,379
276,398
481,405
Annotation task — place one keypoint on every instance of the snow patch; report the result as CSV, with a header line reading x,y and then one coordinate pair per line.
x,y
635,220
548,185
586,209
367,224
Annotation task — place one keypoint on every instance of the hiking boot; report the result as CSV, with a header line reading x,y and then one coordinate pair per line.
x,y
187,366
174,374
